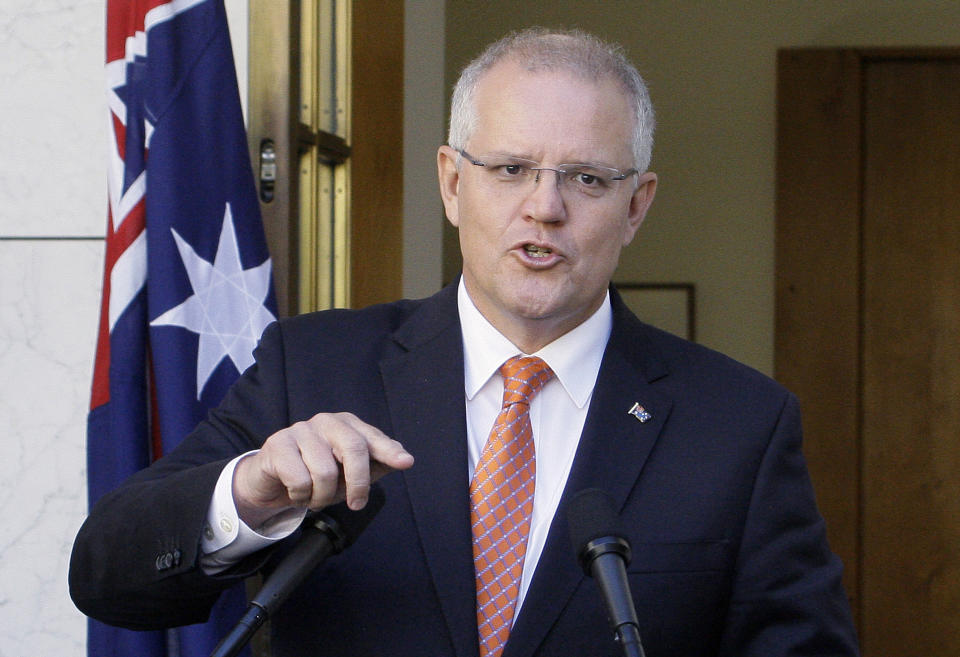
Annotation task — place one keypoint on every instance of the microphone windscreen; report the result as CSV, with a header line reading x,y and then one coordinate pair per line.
x,y
348,524
590,515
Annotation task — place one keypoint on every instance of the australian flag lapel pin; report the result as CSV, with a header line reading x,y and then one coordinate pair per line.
x,y
640,412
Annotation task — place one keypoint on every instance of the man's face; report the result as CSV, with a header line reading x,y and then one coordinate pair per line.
x,y
537,260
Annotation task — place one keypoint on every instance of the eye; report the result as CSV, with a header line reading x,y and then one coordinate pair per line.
x,y
509,170
588,179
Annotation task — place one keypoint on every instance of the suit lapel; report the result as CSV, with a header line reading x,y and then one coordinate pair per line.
x,y
424,387
425,394
613,449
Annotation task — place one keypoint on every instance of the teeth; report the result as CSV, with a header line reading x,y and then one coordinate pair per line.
x,y
537,251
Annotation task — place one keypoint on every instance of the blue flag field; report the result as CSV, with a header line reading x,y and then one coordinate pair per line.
x,y
187,279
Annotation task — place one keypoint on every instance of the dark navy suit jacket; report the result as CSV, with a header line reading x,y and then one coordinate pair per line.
x,y
729,551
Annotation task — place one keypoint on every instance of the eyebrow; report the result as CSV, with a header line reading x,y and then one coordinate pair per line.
x,y
513,156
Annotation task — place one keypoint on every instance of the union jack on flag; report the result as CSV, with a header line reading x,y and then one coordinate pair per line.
x,y
187,279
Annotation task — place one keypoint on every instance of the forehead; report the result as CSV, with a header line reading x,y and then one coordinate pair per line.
x,y
552,114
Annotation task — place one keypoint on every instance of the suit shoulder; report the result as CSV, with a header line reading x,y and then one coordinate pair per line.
x,y
700,368
356,326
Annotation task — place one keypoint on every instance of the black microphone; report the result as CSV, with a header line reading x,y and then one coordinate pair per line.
x,y
327,532
603,553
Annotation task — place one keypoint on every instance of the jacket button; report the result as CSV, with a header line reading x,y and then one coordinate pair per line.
x,y
165,560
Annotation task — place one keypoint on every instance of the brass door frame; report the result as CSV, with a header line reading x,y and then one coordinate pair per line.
x,y
273,102
368,234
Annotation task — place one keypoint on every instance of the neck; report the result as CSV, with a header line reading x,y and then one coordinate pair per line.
x,y
531,339
531,334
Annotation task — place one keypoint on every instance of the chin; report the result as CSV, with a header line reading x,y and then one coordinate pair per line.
x,y
540,309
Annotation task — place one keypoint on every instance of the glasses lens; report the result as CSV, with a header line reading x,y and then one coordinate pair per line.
x,y
576,180
588,180
508,169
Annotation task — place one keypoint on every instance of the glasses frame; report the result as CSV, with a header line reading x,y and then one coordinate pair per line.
x,y
561,172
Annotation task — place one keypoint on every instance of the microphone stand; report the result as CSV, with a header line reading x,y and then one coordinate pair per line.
x,y
606,557
328,532
319,540
603,553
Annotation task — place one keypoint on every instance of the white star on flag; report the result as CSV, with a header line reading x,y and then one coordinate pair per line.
x,y
227,308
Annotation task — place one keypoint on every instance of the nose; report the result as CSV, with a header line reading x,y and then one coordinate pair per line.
x,y
544,202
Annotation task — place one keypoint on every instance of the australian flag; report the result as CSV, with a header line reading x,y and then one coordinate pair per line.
x,y
187,281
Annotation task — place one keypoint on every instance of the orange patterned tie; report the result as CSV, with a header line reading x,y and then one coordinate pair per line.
x,y
502,500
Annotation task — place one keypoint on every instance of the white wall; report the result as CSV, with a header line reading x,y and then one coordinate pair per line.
x,y
52,192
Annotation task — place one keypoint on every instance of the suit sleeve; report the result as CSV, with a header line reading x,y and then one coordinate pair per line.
x,y
787,596
135,561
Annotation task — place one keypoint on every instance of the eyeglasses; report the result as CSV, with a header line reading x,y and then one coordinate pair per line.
x,y
578,180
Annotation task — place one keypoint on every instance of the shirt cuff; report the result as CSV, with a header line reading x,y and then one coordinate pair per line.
x,y
226,538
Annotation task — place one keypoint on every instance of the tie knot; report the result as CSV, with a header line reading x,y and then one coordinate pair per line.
x,y
523,376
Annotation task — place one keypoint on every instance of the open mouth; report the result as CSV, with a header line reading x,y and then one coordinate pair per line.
x,y
537,251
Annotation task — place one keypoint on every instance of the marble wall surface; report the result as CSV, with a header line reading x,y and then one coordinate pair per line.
x,y
52,219
48,300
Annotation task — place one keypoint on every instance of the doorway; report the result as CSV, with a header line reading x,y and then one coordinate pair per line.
x,y
868,324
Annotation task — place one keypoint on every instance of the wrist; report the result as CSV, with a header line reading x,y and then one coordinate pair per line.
x,y
251,509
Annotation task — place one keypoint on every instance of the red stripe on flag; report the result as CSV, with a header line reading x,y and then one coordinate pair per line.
x,y
124,19
100,393
116,243
120,135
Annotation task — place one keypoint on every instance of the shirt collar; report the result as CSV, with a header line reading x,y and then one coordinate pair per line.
x,y
574,357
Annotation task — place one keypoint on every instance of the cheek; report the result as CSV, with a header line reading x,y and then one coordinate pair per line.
x,y
604,246
482,222
479,242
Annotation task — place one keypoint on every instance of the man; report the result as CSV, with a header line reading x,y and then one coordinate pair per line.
x,y
546,179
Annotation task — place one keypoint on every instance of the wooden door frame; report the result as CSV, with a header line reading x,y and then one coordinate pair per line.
x,y
817,279
376,190
819,275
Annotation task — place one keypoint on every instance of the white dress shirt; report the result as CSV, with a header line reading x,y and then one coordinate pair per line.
x,y
575,360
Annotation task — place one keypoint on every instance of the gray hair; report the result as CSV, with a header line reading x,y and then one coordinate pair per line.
x,y
575,51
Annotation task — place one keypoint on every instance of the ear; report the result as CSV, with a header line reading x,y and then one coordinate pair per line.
x,y
639,204
449,182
